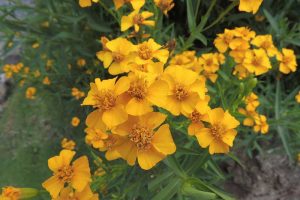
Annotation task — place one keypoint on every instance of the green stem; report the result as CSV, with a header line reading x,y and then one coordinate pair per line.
x,y
109,11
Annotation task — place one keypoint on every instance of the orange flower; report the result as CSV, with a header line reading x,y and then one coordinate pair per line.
x,y
75,121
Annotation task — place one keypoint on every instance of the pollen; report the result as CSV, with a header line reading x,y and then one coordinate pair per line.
x,y
65,174
145,52
180,92
117,57
216,131
105,100
138,19
110,142
138,89
141,136
195,116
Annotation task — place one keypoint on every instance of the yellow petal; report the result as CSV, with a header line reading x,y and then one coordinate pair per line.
x,y
204,137
153,119
82,175
229,122
66,156
215,115
122,85
138,107
128,151
94,119
137,4
195,128
53,186
85,3
149,158
229,136
105,57
218,147
114,116
162,140
158,92
126,23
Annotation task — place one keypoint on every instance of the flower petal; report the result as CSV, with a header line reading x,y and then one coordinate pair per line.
x,y
162,140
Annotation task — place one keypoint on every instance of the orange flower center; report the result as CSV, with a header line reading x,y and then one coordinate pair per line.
x,y
209,62
266,44
141,136
180,92
286,60
138,89
110,142
11,192
195,116
216,131
117,57
145,52
65,174
105,100
138,19
256,61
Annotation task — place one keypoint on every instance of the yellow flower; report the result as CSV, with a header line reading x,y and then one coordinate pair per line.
x,y
105,96
116,54
69,194
185,89
164,5
76,175
261,124
265,42
238,48
198,115
68,144
37,73
35,45
13,193
298,97
252,102
220,134
250,5
87,3
186,59
143,93
287,61
46,81
30,93
250,116
75,121
136,4
10,44
136,19
256,61
154,70
149,50
141,142
209,62
244,32
81,62
77,93
223,40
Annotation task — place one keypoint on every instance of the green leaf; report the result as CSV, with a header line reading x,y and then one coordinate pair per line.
x,y
272,21
169,191
200,37
190,191
190,16
157,182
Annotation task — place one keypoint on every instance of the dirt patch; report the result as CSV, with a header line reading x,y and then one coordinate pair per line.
x,y
265,177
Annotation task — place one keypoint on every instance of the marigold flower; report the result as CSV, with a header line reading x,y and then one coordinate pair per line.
x,y
240,71
13,193
116,55
244,32
250,5
143,93
75,121
30,93
185,59
261,124
297,97
136,19
68,144
76,175
77,93
250,116
105,96
219,136
184,91
164,5
87,3
252,102
149,50
256,61
287,61
46,81
223,40
209,62
265,42
141,142
136,4
68,193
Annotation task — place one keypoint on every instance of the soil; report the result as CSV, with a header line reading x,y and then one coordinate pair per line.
x,y
265,177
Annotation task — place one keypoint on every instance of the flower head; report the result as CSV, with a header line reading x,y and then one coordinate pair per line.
x,y
220,133
265,42
287,61
76,175
256,61
68,144
223,40
46,81
30,93
136,19
261,124
75,121
252,102
13,193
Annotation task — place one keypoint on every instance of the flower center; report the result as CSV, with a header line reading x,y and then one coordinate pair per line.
x,y
11,192
117,57
180,92
209,62
65,174
105,100
145,52
266,45
216,131
195,116
138,89
286,60
138,19
110,142
256,61
141,136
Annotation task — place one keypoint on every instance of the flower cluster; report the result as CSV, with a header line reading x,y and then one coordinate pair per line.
x,y
13,193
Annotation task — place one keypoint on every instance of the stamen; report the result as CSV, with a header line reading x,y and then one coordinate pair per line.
x,y
141,136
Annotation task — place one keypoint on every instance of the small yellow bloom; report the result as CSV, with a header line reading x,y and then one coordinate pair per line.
x,y
220,134
13,193
298,97
223,40
105,96
26,70
136,19
77,93
68,193
46,81
250,5
252,102
37,73
81,62
136,4
76,175
10,44
142,142
256,61
261,124
244,32
30,93
250,116
287,61
87,3
75,121
35,45
68,144
185,59
209,62
164,5
265,42
116,55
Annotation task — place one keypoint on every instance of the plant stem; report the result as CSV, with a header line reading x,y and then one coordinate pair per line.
x,y
109,11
